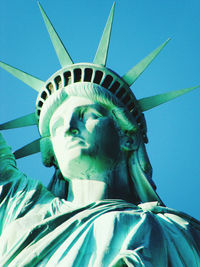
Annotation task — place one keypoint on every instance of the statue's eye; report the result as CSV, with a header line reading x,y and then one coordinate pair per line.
x,y
74,131
96,115
81,114
92,114
89,113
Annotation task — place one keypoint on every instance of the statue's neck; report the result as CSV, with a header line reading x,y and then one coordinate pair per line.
x,y
83,192
109,185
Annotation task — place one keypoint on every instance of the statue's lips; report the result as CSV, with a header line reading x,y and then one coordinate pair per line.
x,y
74,142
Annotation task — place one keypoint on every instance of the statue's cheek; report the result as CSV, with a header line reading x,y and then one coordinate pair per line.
x,y
91,124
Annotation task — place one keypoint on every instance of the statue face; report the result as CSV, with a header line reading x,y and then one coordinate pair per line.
x,y
85,138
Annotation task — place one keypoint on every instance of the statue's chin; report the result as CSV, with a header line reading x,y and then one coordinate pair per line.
x,y
86,167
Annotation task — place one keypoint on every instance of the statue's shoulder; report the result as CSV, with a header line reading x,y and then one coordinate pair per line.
x,y
171,216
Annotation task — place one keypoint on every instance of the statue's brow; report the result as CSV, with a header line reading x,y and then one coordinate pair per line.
x,y
94,107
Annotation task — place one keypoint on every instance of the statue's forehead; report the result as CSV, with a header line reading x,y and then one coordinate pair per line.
x,y
72,104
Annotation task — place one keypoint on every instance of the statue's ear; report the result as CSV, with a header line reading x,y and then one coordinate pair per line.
x,y
129,142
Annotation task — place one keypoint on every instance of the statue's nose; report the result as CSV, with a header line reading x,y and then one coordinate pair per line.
x,y
72,127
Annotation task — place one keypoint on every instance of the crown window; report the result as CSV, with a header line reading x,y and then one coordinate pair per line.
x,y
67,77
98,77
121,92
77,75
114,87
88,75
58,82
50,88
107,81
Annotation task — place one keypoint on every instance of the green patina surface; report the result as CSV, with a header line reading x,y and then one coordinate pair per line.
x,y
100,208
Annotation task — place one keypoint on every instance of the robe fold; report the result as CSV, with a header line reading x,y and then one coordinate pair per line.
x,y
39,229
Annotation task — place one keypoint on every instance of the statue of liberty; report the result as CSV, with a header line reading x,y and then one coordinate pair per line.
x,y
101,207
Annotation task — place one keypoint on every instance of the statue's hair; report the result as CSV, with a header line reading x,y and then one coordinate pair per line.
x,y
139,163
94,92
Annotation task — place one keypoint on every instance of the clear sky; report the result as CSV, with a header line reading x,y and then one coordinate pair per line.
x,y
139,27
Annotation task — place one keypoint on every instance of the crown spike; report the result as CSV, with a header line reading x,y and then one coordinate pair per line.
x,y
102,51
29,149
154,101
30,80
26,120
59,47
131,76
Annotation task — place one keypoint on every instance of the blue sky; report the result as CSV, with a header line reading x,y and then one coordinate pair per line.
x,y
139,27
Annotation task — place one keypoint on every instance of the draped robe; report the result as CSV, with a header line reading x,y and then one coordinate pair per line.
x,y
39,229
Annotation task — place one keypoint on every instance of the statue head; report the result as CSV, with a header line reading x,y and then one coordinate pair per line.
x,y
87,129
102,92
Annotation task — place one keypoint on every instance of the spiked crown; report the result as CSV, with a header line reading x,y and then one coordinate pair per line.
x,y
95,72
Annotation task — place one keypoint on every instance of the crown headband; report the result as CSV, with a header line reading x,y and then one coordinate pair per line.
x,y
95,73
